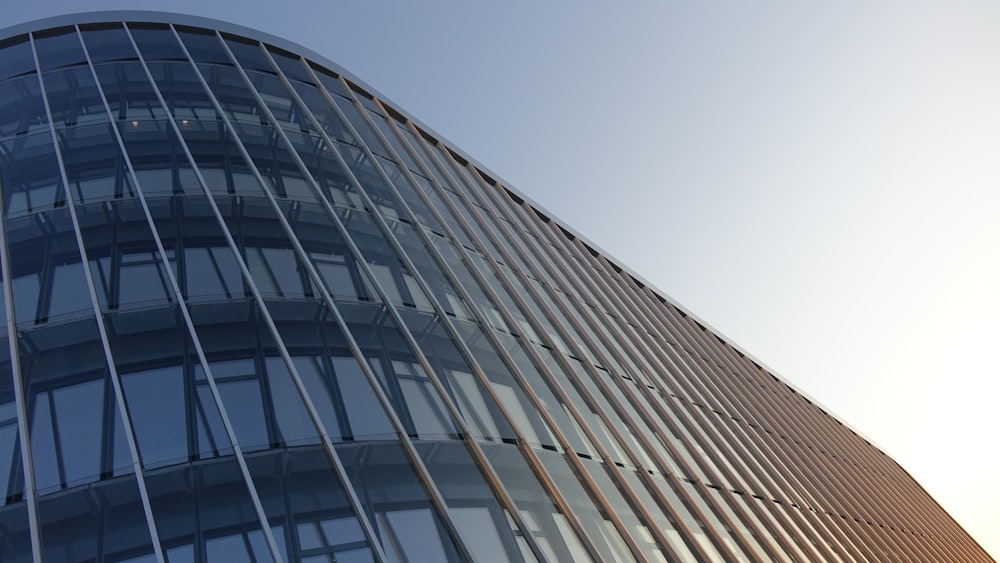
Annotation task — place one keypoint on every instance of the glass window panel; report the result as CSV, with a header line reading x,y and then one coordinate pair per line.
x,y
128,92
16,58
59,50
108,44
204,47
142,279
588,513
156,403
73,97
481,521
160,165
365,414
415,534
25,290
22,109
429,417
249,54
212,272
79,426
246,412
182,90
541,515
31,179
338,277
94,165
16,544
212,438
294,423
104,522
301,496
391,486
9,460
290,65
156,42
238,547
276,271
385,278
43,445
363,555
187,506
324,114
322,392
473,405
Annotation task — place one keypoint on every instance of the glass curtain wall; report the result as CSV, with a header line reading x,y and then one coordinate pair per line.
x,y
252,311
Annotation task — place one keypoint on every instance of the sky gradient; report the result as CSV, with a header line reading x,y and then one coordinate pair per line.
x,y
821,184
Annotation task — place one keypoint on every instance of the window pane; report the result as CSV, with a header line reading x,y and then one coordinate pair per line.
x,y
156,403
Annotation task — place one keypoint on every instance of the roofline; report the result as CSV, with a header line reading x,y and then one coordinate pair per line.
x,y
148,16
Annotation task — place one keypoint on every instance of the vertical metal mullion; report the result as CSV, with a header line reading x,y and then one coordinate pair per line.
x,y
481,280
539,470
778,417
874,499
339,469
719,392
650,448
752,403
182,305
18,383
697,429
99,318
702,432
720,432
756,459
534,354
572,458
712,348
481,459
717,541
423,473
585,393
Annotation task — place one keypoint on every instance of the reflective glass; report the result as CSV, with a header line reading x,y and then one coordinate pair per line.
x,y
11,472
173,412
16,57
128,92
156,42
59,48
323,260
479,517
16,544
605,537
290,65
306,505
203,46
408,527
105,522
94,165
31,179
107,43
548,526
22,110
205,508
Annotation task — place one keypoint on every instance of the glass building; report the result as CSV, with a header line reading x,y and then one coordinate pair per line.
x,y
254,312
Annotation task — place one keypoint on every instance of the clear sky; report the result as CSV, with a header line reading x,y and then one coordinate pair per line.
x,y
819,183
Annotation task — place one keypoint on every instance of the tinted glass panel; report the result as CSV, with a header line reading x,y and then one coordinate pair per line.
x,y
16,58
108,44
156,42
59,50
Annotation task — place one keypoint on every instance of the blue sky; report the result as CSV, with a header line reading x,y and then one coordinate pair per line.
x,y
819,183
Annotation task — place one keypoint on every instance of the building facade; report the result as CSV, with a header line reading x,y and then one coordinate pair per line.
x,y
254,312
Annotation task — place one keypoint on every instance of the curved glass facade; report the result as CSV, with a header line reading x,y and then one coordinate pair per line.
x,y
253,312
